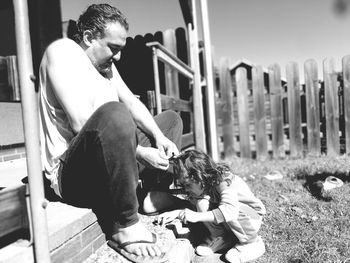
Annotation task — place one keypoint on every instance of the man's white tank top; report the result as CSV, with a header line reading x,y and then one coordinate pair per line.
x,y
55,131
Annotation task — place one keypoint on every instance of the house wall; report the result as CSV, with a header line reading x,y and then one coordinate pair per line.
x,y
7,48
7,29
11,127
45,27
11,131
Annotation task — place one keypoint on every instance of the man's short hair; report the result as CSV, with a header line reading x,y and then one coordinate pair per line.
x,y
95,19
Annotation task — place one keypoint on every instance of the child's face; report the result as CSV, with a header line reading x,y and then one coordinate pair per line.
x,y
192,188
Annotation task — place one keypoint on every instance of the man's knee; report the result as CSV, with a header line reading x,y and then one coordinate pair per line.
x,y
175,119
171,125
115,117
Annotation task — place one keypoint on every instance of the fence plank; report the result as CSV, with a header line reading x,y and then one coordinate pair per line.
x,y
294,110
276,111
332,107
171,75
312,107
5,92
169,102
13,80
243,110
346,83
227,109
259,112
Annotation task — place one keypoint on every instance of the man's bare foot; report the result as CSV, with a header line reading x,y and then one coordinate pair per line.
x,y
137,232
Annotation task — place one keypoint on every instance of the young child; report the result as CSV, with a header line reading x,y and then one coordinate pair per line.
x,y
225,205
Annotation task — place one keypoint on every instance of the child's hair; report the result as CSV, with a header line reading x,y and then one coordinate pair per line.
x,y
197,166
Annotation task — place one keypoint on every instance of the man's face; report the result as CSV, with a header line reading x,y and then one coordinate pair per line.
x,y
105,48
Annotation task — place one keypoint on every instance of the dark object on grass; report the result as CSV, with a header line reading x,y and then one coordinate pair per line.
x,y
318,186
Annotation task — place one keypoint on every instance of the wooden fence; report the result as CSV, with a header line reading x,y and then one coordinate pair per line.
x,y
261,115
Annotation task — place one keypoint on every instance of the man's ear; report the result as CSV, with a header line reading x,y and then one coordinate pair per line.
x,y
87,37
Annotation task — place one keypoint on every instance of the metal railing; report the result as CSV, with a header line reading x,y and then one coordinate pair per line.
x,y
162,54
38,202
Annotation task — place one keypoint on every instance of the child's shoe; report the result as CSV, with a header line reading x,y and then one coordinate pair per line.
x,y
246,252
212,245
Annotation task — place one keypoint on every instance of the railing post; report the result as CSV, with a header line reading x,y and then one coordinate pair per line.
x,y
156,80
31,132
210,81
199,127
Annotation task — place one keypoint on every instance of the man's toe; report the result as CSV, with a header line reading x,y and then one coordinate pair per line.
x,y
151,251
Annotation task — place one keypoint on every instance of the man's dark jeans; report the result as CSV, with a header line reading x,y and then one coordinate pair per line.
x,y
99,169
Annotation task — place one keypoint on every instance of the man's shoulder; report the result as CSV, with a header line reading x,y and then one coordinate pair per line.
x,y
63,46
62,42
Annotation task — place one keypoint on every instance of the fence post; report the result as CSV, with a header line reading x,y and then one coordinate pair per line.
x,y
332,106
259,112
276,111
227,107
294,110
346,81
243,112
312,107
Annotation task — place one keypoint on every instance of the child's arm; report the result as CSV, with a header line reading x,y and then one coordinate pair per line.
x,y
168,217
188,215
228,208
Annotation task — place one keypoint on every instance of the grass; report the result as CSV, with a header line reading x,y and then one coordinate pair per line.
x,y
303,224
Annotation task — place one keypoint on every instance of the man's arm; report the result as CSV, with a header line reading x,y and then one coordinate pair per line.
x,y
143,118
67,69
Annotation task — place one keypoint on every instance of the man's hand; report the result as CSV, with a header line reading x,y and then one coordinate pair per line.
x,y
152,157
166,147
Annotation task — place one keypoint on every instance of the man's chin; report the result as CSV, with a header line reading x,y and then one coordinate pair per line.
x,y
104,70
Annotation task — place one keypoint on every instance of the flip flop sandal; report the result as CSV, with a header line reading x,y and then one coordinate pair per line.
x,y
120,248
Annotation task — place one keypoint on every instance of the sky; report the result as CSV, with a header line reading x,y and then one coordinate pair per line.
x,y
260,31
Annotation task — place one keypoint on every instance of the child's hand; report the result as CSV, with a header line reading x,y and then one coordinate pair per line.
x,y
168,217
187,215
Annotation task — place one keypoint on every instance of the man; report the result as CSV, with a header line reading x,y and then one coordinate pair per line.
x,y
91,146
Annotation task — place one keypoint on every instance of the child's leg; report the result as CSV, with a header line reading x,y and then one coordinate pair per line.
x,y
219,236
253,246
